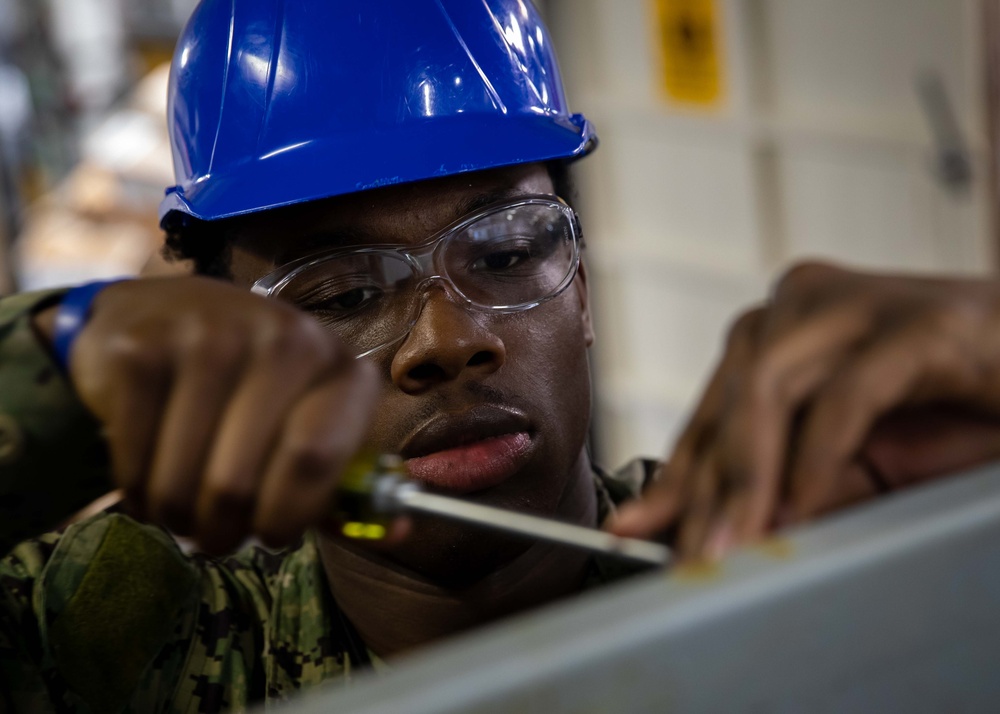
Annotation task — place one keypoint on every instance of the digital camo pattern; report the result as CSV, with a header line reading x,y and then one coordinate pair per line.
x,y
110,616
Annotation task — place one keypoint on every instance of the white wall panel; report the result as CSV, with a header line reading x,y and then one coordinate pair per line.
x,y
685,196
611,56
861,207
859,58
962,223
637,429
878,209
660,330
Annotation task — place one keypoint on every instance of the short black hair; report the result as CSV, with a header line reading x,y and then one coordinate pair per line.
x,y
208,244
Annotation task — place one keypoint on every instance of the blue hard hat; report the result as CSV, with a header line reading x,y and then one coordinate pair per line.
x,y
275,102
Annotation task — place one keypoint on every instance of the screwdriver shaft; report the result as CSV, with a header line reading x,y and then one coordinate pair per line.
x,y
412,499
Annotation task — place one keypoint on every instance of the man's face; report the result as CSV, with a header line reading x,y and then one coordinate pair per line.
x,y
493,405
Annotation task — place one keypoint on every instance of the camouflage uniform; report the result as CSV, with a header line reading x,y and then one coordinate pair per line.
x,y
109,615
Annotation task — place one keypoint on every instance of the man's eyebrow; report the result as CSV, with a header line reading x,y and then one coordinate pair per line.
x,y
481,200
342,238
325,240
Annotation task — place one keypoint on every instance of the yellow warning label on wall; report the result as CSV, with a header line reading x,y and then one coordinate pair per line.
x,y
690,38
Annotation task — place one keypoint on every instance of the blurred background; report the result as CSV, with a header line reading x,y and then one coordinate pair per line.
x,y
737,137
84,155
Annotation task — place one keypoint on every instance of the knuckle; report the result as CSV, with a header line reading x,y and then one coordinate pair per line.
x,y
171,510
737,479
216,349
744,326
228,495
773,376
134,354
862,387
276,532
772,383
949,320
835,406
311,461
699,508
762,382
805,277
294,337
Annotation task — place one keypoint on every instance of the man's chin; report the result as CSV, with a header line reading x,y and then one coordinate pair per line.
x,y
452,554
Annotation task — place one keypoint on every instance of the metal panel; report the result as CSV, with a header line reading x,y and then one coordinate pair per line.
x,y
890,607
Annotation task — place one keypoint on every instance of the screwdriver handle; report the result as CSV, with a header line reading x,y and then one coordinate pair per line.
x,y
366,501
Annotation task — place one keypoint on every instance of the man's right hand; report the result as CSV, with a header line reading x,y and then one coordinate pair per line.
x,y
227,415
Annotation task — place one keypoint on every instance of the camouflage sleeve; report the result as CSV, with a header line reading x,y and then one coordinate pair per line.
x,y
625,484
52,459
111,616
22,684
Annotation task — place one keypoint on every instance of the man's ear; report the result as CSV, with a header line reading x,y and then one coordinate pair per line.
x,y
583,294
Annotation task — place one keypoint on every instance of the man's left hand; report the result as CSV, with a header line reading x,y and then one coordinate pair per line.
x,y
844,385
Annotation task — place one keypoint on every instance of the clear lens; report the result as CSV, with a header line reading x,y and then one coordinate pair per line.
x,y
512,258
508,258
360,296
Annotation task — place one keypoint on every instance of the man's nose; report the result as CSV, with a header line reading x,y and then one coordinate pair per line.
x,y
446,343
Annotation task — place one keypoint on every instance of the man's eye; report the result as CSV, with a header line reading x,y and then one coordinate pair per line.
x,y
502,260
346,301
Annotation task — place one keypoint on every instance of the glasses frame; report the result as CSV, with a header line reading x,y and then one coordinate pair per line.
x,y
427,268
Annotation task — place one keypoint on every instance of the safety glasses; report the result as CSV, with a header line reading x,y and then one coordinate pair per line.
x,y
508,257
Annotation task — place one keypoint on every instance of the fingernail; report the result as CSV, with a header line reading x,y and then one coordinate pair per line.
x,y
719,543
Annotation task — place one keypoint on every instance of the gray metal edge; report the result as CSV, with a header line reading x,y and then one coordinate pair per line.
x,y
529,649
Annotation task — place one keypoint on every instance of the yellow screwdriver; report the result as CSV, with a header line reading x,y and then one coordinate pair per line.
x,y
374,488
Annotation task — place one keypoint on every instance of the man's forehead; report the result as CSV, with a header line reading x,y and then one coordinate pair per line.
x,y
396,214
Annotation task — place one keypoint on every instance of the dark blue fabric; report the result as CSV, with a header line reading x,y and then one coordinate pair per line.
x,y
74,309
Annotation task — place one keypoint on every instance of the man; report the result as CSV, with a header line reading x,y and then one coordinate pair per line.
x,y
382,180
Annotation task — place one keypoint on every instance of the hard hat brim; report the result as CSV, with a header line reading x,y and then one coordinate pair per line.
x,y
314,170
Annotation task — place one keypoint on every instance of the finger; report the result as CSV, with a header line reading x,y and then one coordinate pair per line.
x,y
916,444
807,285
277,377
722,522
855,485
206,375
737,494
132,427
700,510
722,534
765,397
658,507
322,432
890,374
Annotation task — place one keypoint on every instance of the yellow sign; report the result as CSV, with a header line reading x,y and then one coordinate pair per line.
x,y
690,38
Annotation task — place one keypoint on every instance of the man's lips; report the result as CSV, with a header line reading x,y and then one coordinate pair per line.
x,y
473,467
469,451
